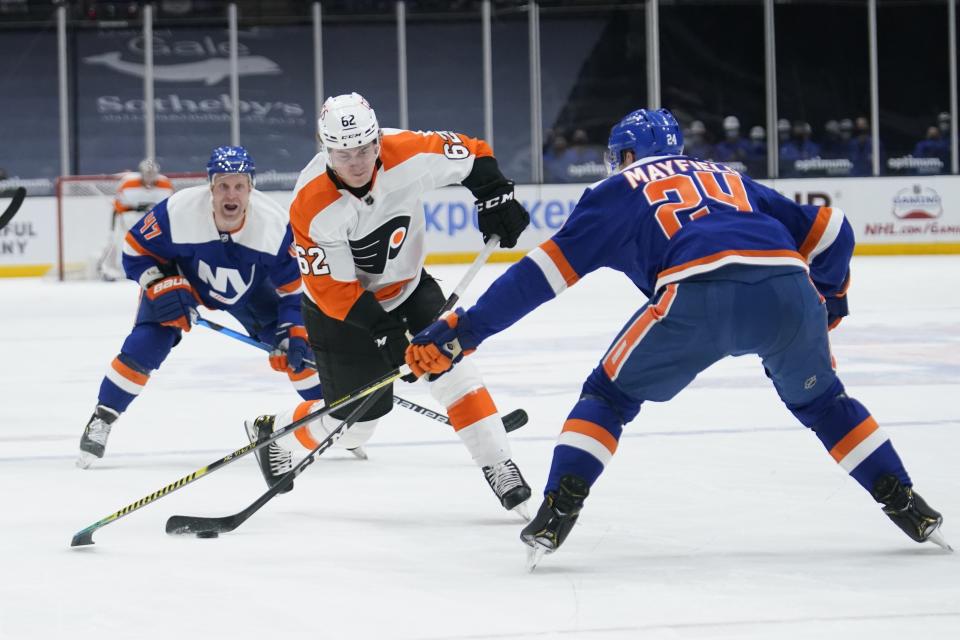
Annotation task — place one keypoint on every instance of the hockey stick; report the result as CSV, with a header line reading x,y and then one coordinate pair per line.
x,y
205,527
85,536
511,421
212,527
18,195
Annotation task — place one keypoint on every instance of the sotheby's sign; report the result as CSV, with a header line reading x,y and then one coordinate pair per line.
x,y
192,102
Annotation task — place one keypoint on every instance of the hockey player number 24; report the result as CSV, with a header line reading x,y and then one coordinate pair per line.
x,y
691,191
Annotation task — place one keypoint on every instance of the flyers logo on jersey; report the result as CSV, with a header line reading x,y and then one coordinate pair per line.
x,y
371,252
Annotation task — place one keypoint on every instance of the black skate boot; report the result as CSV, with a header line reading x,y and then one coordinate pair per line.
x,y
274,460
909,511
556,517
93,442
509,486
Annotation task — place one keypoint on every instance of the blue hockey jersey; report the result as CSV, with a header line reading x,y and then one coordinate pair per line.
x,y
666,219
226,269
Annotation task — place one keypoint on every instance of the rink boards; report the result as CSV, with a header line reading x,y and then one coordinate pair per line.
x,y
903,215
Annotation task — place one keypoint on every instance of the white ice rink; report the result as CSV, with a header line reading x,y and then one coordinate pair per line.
x,y
719,517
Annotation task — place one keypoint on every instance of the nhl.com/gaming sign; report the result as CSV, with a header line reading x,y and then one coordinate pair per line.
x,y
917,202
917,210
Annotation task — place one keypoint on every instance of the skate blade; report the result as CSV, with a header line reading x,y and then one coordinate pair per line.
x,y
522,510
937,538
85,460
359,453
535,553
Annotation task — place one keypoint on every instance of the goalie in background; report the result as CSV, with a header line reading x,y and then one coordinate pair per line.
x,y
136,194
225,246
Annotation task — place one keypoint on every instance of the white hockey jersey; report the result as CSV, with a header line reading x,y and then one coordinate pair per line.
x,y
134,195
347,245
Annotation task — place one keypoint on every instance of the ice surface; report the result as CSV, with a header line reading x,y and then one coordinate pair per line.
x,y
719,517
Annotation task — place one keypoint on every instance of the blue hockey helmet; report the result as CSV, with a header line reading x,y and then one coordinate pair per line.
x,y
231,160
645,132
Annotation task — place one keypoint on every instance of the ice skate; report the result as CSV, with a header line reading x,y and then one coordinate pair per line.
x,y
556,517
359,453
274,460
93,442
909,511
509,486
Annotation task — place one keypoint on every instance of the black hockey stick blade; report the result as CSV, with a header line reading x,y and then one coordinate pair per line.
x,y
199,525
18,195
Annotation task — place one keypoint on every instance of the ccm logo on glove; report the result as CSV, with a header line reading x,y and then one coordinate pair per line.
x,y
483,205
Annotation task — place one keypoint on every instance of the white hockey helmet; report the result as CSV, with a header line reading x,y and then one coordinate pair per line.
x,y
347,122
149,170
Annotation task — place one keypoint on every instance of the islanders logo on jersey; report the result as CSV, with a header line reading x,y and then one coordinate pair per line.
x,y
371,252
220,280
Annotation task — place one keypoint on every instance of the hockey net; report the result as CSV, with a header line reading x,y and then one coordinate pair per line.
x,y
84,219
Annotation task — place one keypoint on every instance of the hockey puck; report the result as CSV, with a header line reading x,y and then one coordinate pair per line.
x,y
207,534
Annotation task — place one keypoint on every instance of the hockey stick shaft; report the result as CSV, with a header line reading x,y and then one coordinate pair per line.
x,y
511,421
225,524
185,524
18,195
471,273
242,337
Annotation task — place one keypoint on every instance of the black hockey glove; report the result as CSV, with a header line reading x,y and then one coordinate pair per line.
x,y
498,213
388,333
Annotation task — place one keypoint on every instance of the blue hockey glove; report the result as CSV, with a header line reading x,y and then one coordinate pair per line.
x,y
441,345
837,310
837,306
290,349
170,302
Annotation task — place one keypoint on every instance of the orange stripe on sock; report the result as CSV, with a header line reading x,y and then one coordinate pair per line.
x,y
303,375
850,441
592,430
471,408
130,374
302,409
303,433
306,438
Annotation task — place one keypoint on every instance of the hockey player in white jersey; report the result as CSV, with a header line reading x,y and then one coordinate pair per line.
x,y
223,246
358,224
136,194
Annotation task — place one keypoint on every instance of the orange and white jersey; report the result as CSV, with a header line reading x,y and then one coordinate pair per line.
x,y
133,195
347,245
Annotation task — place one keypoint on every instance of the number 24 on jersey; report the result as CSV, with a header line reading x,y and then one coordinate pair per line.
x,y
693,190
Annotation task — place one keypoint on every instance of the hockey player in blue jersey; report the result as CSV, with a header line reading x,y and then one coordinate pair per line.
x,y
730,267
223,246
